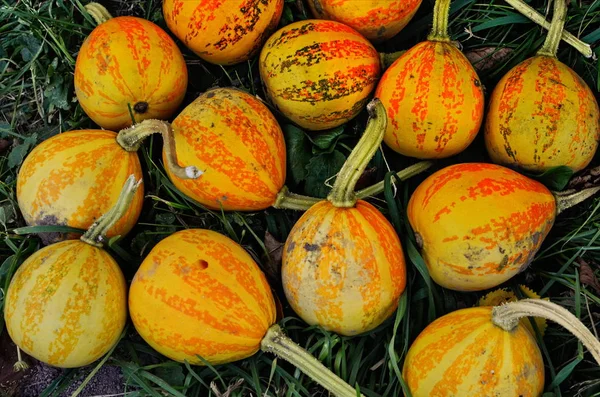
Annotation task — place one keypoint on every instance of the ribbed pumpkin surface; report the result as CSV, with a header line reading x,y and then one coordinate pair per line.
x,y
237,142
124,62
200,293
67,304
479,224
319,74
223,31
343,268
434,101
542,115
464,354
377,20
73,178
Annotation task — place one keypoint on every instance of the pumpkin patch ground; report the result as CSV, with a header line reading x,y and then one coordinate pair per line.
x,y
396,348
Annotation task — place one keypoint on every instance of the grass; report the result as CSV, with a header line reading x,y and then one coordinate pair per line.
x,y
38,47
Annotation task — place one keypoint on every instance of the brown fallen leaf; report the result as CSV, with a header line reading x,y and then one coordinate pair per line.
x,y
589,178
487,58
275,253
4,144
587,276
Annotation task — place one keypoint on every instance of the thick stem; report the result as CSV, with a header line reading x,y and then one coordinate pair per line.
x,y
293,201
276,342
441,13
508,315
342,194
557,26
566,200
96,234
98,12
538,18
131,139
403,175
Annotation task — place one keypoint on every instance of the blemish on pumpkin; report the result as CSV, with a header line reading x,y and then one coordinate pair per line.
x,y
203,264
141,107
311,247
291,246
503,263
49,220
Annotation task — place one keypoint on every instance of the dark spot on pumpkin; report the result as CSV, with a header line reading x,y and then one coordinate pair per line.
x,y
503,263
210,95
477,83
381,31
50,237
291,246
141,107
311,247
203,264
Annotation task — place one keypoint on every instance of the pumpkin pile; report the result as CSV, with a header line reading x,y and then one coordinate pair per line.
x,y
198,296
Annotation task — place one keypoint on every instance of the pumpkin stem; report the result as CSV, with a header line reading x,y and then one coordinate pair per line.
x,y
276,342
550,47
507,317
441,13
20,365
96,234
566,200
538,18
98,12
292,201
388,58
131,139
403,175
342,194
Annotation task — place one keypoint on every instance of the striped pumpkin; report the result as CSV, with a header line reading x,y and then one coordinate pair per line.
x,y
224,32
479,224
67,305
542,115
198,293
377,20
464,354
73,178
434,101
127,66
343,268
233,137
319,74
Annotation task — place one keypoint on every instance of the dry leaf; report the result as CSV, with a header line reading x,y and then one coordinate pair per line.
x,y
587,276
589,178
487,58
275,253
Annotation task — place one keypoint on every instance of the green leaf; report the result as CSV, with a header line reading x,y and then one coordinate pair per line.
x,y
16,156
31,45
320,169
555,178
298,152
173,375
327,140
57,93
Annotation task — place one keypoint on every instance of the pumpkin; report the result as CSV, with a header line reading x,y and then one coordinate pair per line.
x,y
224,32
67,305
479,224
128,67
343,266
486,351
199,294
433,96
72,178
541,113
377,20
319,74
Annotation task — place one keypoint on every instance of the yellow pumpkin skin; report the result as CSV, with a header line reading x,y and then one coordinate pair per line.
x,y
200,293
319,74
479,224
234,138
542,115
434,101
129,62
377,20
72,178
67,304
343,268
223,32
464,354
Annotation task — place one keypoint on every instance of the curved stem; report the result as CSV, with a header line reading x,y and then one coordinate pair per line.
x,y
98,12
97,232
508,315
538,18
441,13
403,175
342,194
566,200
276,342
20,365
550,46
293,201
388,58
131,139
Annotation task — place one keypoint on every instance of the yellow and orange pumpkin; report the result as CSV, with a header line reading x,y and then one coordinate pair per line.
x,y
224,32
542,114
433,96
377,20
319,74
128,67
